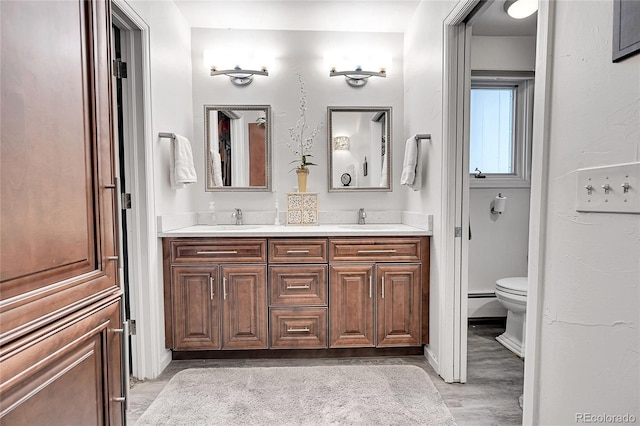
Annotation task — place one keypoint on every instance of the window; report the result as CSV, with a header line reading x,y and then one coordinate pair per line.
x,y
500,130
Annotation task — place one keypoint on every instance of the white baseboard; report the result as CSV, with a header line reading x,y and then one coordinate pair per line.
x,y
433,361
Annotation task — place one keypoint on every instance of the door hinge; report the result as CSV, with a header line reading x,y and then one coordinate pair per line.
x,y
125,202
119,69
458,231
132,327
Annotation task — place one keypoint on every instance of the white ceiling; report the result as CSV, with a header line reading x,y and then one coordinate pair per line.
x,y
302,15
495,22
334,15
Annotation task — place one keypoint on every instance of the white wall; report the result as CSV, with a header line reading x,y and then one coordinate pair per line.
x,y
499,243
503,53
171,96
498,247
589,341
171,111
423,55
298,52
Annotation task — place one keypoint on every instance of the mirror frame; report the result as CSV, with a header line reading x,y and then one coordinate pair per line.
x,y
389,142
268,148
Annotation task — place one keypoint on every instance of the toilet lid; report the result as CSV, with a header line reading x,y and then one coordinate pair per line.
x,y
513,285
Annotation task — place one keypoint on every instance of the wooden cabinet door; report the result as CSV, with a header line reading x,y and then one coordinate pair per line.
x,y
58,232
244,306
67,373
399,296
59,357
351,306
195,308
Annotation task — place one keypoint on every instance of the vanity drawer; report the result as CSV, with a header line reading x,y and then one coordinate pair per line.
x,y
218,250
298,251
374,249
298,285
298,328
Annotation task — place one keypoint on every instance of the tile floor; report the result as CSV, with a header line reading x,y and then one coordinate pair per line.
x,y
490,396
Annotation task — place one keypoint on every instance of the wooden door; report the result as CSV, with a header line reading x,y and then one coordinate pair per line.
x,y
58,244
257,155
244,306
399,296
351,306
196,308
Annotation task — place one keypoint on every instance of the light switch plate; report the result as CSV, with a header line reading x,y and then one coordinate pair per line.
x,y
609,189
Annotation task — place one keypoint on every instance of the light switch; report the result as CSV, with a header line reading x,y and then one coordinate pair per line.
x,y
609,189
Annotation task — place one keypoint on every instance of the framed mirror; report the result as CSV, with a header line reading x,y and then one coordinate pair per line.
x,y
238,147
359,148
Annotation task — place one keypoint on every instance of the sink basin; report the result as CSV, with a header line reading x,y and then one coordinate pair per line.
x,y
370,226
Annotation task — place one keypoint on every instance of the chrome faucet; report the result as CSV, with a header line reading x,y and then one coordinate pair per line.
x,y
237,215
361,216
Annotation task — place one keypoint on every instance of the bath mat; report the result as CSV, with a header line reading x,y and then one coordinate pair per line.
x,y
327,395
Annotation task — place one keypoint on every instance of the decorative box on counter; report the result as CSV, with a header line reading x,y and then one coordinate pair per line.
x,y
302,208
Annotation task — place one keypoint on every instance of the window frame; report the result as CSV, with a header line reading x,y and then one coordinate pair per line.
x,y
522,82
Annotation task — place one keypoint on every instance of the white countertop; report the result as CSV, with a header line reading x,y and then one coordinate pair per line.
x,y
323,230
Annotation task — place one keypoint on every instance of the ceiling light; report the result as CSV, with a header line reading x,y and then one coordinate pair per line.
x,y
520,9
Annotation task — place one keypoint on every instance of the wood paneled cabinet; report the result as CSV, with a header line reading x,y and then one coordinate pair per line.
x,y
298,293
196,309
244,307
375,304
215,306
322,293
60,300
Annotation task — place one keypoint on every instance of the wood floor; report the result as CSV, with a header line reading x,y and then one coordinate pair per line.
x,y
490,397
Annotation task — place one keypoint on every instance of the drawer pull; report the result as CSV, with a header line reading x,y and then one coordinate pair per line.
x,y
298,330
218,252
211,288
224,287
297,251
383,286
376,251
298,287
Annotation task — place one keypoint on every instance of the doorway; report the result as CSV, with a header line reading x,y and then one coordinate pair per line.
x,y
456,203
132,130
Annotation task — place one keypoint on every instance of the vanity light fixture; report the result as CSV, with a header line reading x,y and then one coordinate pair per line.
x,y
357,77
520,9
238,76
354,67
219,63
342,143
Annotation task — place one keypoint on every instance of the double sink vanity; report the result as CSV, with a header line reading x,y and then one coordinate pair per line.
x,y
327,288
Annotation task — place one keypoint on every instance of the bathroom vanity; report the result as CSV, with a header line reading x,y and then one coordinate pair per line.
x,y
326,288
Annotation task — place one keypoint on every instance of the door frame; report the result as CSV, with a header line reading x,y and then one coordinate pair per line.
x,y
144,249
453,304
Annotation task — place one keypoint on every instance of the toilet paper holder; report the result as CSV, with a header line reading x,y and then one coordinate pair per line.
x,y
498,204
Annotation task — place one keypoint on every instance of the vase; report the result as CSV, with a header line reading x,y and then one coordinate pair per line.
x,y
303,173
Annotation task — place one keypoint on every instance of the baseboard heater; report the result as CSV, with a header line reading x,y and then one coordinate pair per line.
x,y
481,295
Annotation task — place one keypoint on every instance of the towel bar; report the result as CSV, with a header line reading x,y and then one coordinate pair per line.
x,y
422,136
167,135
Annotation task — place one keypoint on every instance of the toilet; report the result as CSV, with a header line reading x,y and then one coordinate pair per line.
x,y
512,294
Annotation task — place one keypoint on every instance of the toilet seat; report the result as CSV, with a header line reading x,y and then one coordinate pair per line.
x,y
513,285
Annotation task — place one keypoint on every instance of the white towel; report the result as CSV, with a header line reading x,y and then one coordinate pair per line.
x,y
183,169
412,165
216,168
